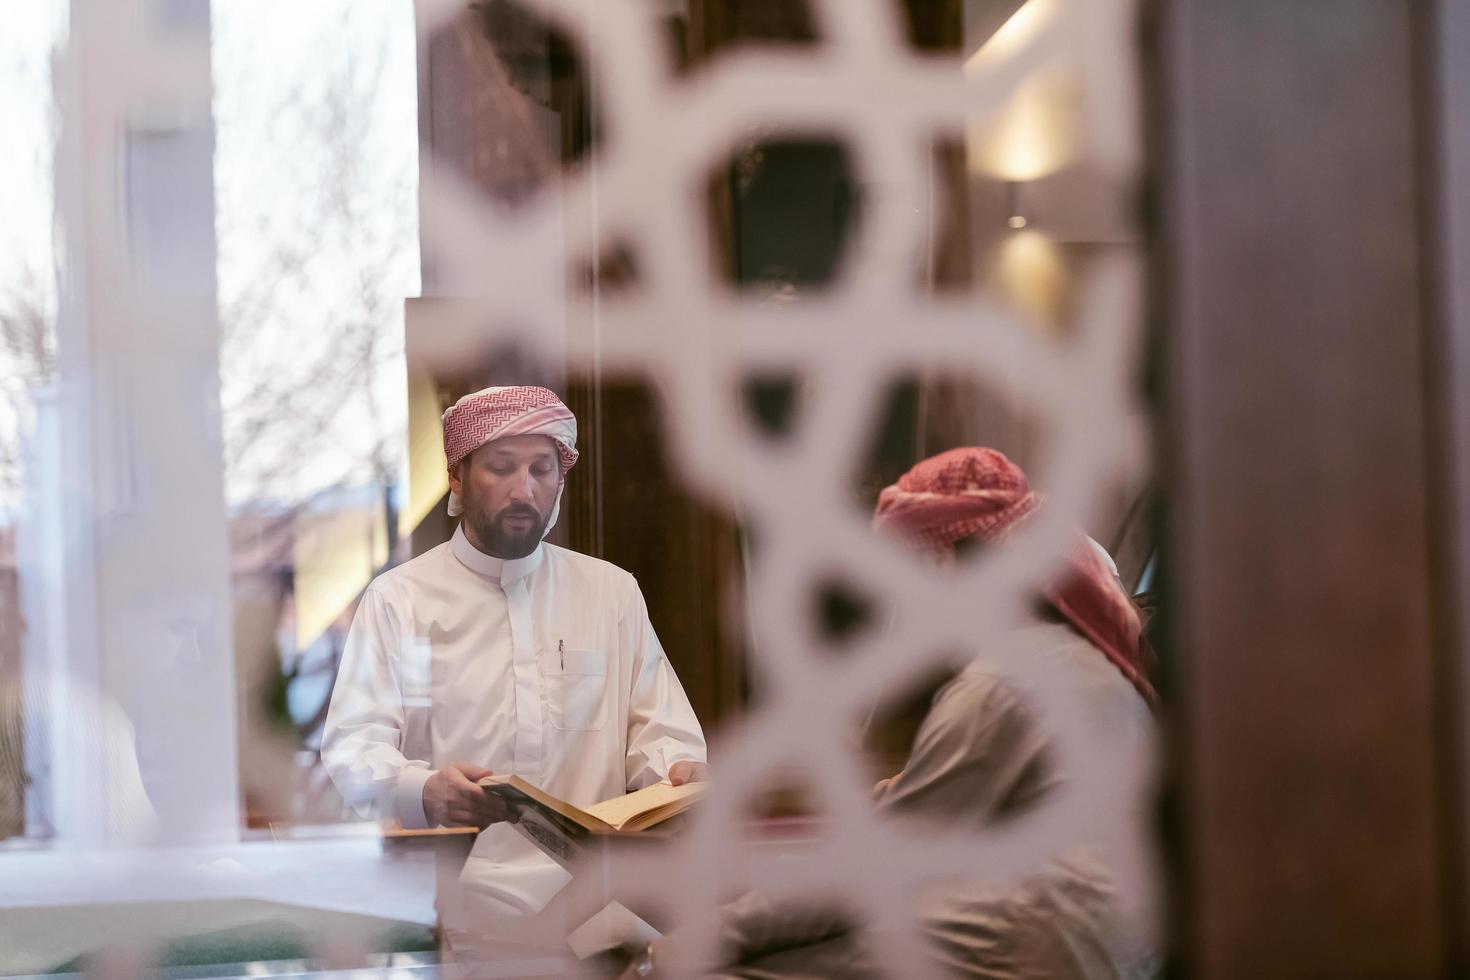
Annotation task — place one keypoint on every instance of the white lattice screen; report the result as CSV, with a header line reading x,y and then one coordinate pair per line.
x,y
696,340
684,330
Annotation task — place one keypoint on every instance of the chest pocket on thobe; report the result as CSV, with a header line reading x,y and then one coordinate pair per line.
x,y
575,683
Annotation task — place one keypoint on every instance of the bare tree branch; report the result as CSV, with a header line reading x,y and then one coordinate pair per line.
x,y
288,403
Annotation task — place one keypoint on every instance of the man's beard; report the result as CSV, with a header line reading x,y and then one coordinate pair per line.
x,y
494,538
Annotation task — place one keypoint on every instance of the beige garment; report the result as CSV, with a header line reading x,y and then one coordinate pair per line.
x,y
979,756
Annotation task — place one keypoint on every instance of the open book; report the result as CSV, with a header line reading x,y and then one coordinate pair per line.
x,y
561,829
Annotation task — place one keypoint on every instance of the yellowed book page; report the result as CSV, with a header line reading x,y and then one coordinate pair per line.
x,y
621,810
572,813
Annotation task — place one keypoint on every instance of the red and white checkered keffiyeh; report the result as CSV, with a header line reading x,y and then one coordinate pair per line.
x,y
978,491
510,410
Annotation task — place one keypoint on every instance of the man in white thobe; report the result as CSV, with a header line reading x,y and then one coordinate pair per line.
x,y
500,653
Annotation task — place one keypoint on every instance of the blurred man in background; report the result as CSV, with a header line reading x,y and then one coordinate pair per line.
x,y
982,755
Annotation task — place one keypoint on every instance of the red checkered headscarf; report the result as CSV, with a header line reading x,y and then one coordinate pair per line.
x,y
978,491
512,410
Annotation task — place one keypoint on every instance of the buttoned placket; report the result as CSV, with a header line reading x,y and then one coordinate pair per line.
x,y
530,729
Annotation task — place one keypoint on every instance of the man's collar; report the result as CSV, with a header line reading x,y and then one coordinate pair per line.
x,y
503,570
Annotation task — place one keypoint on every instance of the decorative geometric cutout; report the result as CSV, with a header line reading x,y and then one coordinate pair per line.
x,y
614,274
771,402
530,114
790,204
841,612
720,27
953,29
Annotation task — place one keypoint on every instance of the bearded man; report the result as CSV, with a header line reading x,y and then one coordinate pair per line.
x,y
497,653
983,755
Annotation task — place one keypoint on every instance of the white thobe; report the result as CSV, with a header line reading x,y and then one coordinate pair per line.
x,y
546,667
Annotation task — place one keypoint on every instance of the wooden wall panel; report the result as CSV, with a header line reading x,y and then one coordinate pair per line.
x,y
632,509
1293,300
1445,76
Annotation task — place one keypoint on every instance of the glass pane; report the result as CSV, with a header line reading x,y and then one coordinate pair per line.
x,y
456,392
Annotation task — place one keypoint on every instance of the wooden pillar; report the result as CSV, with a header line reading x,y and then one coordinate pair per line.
x,y
1298,442
1445,144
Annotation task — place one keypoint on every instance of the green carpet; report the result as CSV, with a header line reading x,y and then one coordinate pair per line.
x,y
184,934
